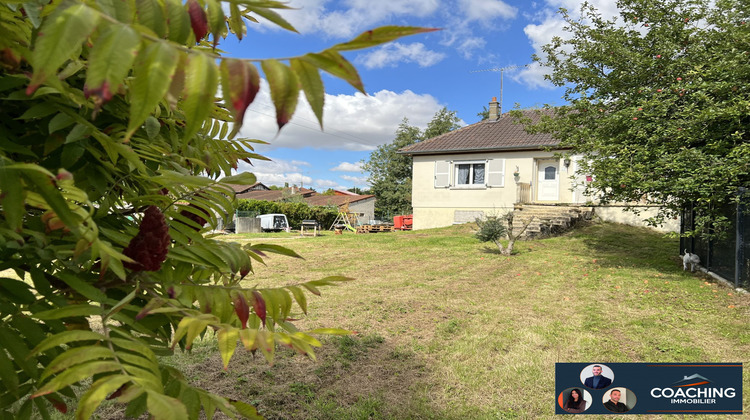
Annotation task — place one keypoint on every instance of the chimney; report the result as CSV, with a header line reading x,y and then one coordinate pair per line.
x,y
494,109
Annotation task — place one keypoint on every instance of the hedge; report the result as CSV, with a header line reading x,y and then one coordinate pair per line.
x,y
295,212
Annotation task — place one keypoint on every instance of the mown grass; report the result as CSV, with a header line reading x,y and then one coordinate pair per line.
x,y
447,328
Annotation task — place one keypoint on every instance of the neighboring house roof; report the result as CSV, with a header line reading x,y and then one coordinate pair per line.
x,y
335,200
311,197
241,188
505,133
275,195
343,192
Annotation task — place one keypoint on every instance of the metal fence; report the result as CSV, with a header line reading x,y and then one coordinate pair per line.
x,y
728,257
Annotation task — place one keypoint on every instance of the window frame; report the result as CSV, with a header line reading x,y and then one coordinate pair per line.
x,y
471,164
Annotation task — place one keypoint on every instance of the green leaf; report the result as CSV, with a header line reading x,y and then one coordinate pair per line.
x,y
151,15
97,393
75,356
8,374
163,407
335,64
284,89
59,38
82,287
76,374
236,24
271,15
65,338
244,178
60,121
68,311
216,20
178,21
247,336
276,249
330,331
111,58
152,77
247,410
12,198
300,297
16,291
312,85
121,304
227,343
201,80
379,36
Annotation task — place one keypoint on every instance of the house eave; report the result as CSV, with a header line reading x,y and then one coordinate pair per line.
x,y
480,150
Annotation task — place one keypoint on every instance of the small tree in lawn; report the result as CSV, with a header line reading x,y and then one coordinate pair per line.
x,y
114,154
494,228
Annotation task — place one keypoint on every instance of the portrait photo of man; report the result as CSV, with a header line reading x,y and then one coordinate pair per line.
x,y
597,380
613,404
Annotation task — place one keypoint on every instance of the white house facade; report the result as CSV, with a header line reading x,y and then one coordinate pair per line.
x,y
492,166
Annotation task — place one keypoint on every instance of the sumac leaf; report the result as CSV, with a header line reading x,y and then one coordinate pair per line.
x,y
240,83
201,79
58,40
198,19
284,89
242,309
153,73
312,85
380,36
259,306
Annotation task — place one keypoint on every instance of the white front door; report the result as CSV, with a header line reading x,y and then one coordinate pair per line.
x,y
548,180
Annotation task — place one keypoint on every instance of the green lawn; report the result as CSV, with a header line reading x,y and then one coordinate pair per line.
x,y
449,329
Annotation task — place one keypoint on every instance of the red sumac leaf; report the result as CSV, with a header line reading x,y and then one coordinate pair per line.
x,y
240,83
58,404
259,305
198,19
241,309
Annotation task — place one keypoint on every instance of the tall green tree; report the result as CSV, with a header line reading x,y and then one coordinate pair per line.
x,y
390,172
658,102
114,153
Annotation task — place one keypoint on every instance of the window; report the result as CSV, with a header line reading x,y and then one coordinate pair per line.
x,y
549,173
469,174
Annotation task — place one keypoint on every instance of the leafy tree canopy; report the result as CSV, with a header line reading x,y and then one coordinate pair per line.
x,y
390,172
113,156
659,102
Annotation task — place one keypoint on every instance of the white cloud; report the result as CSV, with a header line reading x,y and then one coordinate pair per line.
x,y
351,122
487,10
355,180
348,167
550,24
344,19
396,52
277,172
326,183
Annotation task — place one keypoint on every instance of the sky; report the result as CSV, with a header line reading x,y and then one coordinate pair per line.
x,y
412,78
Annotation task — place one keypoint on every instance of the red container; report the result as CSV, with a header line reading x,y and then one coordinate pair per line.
x,y
408,222
398,222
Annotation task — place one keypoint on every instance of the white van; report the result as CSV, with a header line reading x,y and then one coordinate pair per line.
x,y
273,222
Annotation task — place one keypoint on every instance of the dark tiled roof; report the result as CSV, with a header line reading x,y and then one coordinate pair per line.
x,y
309,196
240,188
335,200
505,133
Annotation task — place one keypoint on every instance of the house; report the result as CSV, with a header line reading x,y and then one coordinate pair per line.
x,y
240,188
362,205
492,167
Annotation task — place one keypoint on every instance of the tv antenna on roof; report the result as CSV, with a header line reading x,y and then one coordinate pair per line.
x,y
501,70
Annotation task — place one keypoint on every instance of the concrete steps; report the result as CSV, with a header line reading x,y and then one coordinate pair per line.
x,y
548,220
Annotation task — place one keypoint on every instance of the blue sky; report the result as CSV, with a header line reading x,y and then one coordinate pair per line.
x,y
412,78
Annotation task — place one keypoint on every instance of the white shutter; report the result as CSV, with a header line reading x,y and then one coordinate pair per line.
x,y
495,176
442,174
